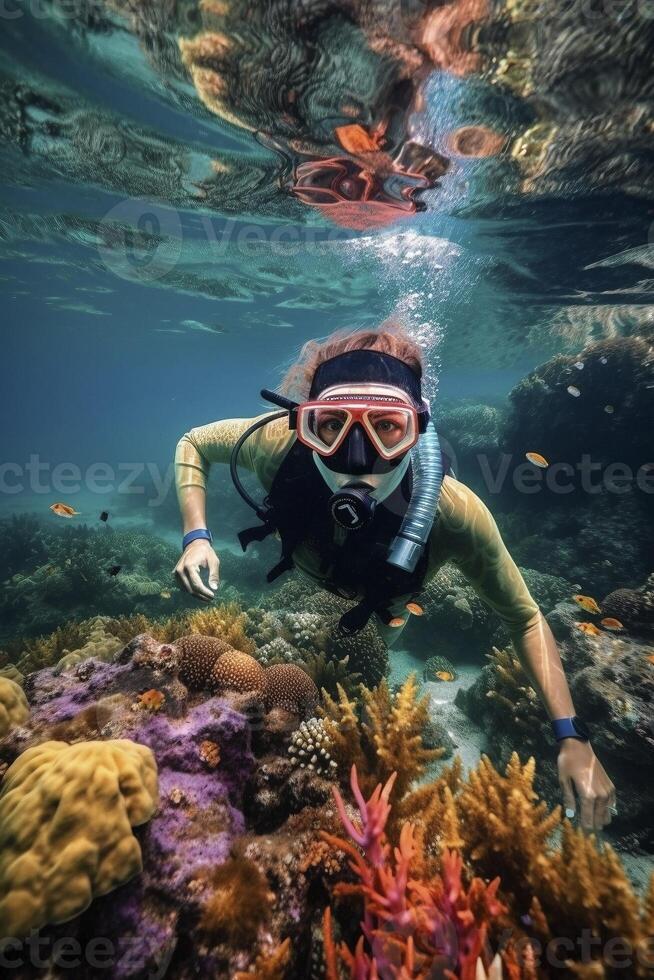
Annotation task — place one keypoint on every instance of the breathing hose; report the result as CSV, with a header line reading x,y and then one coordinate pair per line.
x,y
411,540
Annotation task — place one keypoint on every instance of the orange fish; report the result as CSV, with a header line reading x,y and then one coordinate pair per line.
x,y
63,510
537,460
151,700
444,675
415,608
611,624
396,621
589,629
587,603
650,657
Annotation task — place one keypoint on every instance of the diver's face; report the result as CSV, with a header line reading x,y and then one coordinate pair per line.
x,y
358,458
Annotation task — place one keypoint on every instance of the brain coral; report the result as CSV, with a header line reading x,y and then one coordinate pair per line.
x,y
289,687
14,709
66,818
197,658
235,671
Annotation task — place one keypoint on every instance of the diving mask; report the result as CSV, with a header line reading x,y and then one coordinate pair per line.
x,y
389,423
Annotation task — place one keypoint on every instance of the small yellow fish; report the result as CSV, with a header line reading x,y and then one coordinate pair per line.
x,y
573,390
609,409
396,621
151,700
444,675
415,608
589,629
537,460
587,603
611,624
63,510
165,594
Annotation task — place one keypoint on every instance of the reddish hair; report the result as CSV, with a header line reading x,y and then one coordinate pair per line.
x,y
391,338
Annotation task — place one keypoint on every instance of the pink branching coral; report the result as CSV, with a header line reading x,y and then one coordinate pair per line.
x,y
410,926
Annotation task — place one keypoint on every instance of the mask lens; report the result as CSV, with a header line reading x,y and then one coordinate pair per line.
x,y
390,427
323,427
392,430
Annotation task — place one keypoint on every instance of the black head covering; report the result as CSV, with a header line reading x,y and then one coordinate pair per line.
x,y
367,367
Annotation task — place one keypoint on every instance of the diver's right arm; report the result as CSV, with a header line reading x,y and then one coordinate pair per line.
x,y
195,453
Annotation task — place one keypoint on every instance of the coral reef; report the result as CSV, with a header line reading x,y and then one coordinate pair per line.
x,y
310,747
100,645
236,671
14,709
236,869
70,808
196,657
633,607
65,573
412,924
290,688
612,684
387,739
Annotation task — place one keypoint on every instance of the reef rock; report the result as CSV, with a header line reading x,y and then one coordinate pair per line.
x,y
632,607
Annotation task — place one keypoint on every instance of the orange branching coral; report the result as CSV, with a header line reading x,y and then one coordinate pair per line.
x,y
410,926
512,692
269,966
341,722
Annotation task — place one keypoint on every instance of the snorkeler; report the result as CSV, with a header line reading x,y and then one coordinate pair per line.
x,y
356,491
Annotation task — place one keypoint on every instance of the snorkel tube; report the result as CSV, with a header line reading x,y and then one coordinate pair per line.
x,y
411,540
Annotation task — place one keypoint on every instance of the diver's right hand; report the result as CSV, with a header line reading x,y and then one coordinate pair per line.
x,y
198,555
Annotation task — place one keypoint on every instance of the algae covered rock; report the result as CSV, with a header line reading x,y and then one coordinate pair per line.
x,y
14,709
66,818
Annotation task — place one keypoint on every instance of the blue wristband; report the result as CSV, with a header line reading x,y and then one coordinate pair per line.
x,y
569,728
200,533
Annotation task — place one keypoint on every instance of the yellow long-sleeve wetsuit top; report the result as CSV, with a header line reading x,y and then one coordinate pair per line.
x,y
465,532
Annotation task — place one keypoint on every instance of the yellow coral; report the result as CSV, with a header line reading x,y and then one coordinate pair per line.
x,y
396,723
432,808
14,709
389,741
226,621
503,824
66,818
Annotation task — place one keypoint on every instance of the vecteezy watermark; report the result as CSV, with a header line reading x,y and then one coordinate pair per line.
x,y
616,953
589,476
97,953
497,474
143,240
39,477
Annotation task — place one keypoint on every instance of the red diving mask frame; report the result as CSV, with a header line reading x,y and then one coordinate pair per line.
x,y
392,426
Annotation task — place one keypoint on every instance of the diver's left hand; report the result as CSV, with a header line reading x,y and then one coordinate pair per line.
x,y
580,770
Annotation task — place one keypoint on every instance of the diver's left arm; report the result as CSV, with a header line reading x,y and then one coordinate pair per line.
x,y
485,561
